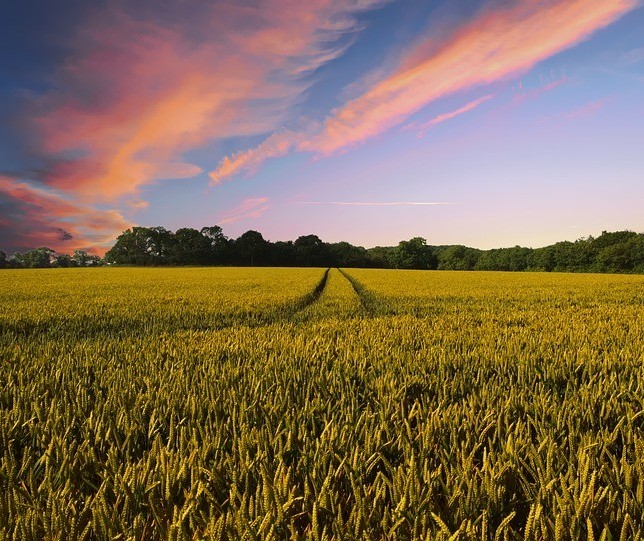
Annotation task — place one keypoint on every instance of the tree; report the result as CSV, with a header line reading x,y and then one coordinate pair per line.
x,y
251,247
129,248
282,253
383,257
505,259
344,254
615,258
160,242
64,261
542,259
39,258
415,254
3,259
189,247
636,248
141,246
219,243
458,257
310,251
607,239
81,258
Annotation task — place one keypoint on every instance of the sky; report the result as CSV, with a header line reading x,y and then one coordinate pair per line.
x,y
488,123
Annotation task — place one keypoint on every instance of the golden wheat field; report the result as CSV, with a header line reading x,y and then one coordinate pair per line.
x,y
258,404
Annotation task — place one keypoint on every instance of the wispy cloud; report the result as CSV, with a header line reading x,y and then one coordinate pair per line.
x,y
497,44
277,145
249,208
633,56
380,203
142,86
138,204
425,126
585,110
137,92
522,93
588,109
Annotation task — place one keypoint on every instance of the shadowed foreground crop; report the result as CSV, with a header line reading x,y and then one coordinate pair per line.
x,y
305,404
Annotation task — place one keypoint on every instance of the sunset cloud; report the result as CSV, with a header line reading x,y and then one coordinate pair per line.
x,y
140,88
277,145
138,204
497,44
425,126
36,216
588,109
249,208
117,114
138,93
522,93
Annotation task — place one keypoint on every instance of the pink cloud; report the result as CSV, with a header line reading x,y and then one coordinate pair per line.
x,y
277,145
522,93
424,127
41,216
497,44
249,208
138,204
137,94
586,110
139,89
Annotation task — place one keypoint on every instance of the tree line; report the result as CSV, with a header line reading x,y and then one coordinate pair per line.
x,y
616,252
44,257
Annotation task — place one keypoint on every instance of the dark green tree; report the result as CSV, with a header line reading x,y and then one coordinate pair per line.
x,y
505,259
282,253
310,251
82,258
40,258
458,257
64,261
415,254
616,258
251,248
383,257
189,247
219,244
344,254
141,246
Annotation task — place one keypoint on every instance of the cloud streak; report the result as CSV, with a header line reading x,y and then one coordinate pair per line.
x,y
379,203
499,43
522,94
277,145
586,110
495,45
249,208
424,127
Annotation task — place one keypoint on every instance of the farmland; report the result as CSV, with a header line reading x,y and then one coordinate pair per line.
x,y
207,403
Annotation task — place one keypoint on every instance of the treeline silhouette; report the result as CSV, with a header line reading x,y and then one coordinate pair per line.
x,y
615,252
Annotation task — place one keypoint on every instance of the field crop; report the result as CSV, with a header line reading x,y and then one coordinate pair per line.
x,y
306,404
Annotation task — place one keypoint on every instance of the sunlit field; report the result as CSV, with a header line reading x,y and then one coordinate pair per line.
x,y
211,403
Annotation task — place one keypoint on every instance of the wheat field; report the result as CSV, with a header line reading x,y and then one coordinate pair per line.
x,y
210,403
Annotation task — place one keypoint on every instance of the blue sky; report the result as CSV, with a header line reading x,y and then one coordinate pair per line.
x,y
482,123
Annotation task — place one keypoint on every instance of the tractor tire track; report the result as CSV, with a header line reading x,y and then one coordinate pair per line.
x,y
371,303
314,295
